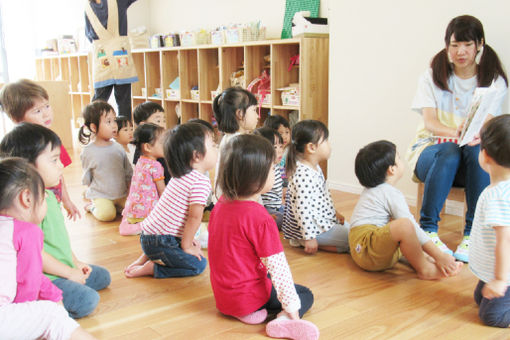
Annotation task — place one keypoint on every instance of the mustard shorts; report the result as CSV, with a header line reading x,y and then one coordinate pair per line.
x,y
372,247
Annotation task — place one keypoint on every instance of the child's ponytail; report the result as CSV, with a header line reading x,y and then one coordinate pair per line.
x,y
83,136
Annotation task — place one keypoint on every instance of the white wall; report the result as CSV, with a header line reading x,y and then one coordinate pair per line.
x,y
377,53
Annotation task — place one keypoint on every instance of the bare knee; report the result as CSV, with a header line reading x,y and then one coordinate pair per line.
x,y
401,227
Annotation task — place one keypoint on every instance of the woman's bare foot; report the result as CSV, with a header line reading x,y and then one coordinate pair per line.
x,y
147,269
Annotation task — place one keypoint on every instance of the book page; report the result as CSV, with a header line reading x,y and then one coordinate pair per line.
x,y
477,113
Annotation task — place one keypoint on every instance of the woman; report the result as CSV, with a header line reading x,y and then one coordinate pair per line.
x,y
443,97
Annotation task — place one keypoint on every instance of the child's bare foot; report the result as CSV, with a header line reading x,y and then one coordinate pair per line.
x,y
147,269
139,261
432,272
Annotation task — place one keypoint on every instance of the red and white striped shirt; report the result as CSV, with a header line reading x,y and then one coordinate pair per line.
x,y
170,214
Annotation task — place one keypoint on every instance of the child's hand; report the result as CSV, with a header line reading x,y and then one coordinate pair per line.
x,y
85,268
72,210
195,250
311,246
340,217
494,289
77,275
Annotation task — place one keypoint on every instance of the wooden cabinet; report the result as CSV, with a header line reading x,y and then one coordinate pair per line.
x,y
210,67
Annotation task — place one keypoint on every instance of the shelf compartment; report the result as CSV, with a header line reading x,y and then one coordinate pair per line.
x,y
189,111
188,72
206,112
170,70
84,85
171,113
254,61
136,88
74,74
281,76
152,74
231,60
209,79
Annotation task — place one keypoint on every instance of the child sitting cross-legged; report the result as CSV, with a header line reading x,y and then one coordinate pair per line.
x,y
382,227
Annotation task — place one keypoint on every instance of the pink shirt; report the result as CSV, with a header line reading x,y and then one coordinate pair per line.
x,y
21,276
143,193
171,212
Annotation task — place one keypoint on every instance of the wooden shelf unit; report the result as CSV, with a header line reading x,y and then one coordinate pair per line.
x,y
73,69
208,66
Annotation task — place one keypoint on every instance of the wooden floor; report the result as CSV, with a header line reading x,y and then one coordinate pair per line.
x,y
349,302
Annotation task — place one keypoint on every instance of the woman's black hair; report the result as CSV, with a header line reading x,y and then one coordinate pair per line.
x,y
274,122
144,110
146,133
304,132
269,134
244,166
16,175
92,114
182,144
28,141
225,108
467,28
122,122
372,162
495,139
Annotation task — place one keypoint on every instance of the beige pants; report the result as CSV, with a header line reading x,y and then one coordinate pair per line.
x,y
106,210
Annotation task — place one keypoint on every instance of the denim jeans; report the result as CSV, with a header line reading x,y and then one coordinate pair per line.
x,y
175,262
338,237
442,166
494,312
81,300
274,306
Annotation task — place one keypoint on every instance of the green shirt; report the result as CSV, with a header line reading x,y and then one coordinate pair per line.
x,y
56,239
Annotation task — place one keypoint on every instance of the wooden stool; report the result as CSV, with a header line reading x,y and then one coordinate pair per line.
x,y
456,194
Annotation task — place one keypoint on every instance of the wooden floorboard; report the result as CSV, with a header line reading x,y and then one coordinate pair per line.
x,y
349,302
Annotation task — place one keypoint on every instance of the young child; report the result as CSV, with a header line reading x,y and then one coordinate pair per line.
x,y
168,232
150,112
26,101
148,181
124,136
78,281
310,218
489,251
383,228
106,168
28,299
272,199
282,126
244,246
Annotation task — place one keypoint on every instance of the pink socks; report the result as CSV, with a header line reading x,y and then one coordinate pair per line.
x,y
126,228
292,329
254,318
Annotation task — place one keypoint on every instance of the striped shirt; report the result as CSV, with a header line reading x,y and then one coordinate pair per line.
x,y
170,214
492,210
273,198
309,209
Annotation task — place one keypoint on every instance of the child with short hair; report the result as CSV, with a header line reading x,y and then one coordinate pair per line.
x,y
148,181
78,281
28,299
106,169
168,232
124,136
282,126
272,199
383,228
27,101
150,112
250,276
310,218
489,251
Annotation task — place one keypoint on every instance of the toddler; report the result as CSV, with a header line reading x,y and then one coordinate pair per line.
x,y
148,181
310,218
27,101
124,136
150,112
282,126
244,246
168,244
106,168
489,251
383,228
78,281
272,199
28,299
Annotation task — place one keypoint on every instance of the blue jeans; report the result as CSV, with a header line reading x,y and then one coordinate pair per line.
x,y
338,237
274,306
442,166
167,249
494,312
81,300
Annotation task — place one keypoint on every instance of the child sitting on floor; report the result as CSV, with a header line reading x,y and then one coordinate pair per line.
x,y
148,181
124,136
78,281
106,168
168,243
489,251
281,125
382,227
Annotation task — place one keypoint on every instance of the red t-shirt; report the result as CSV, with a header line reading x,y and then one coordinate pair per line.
x,y
240,233
65,159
